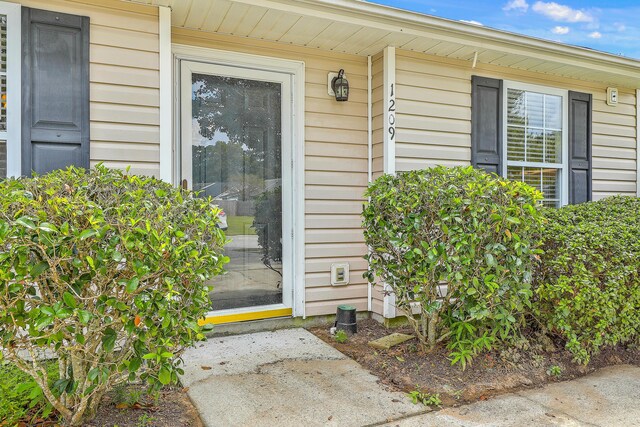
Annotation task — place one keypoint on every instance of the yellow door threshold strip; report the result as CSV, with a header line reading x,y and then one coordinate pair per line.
x,y
243,317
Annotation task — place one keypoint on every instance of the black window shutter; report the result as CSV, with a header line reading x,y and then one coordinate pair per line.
x,y
55,91
486,124
579,147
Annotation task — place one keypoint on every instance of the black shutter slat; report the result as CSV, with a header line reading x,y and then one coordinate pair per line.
x,y
579,147
486,124
55,91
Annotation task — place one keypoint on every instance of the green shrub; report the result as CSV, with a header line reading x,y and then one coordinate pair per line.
x,y
460,227
21,399
588,284
105,272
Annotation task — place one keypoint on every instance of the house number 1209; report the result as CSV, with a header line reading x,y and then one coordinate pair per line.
x,y
392,114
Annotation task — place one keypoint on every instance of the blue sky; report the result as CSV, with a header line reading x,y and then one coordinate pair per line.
x,y
611,26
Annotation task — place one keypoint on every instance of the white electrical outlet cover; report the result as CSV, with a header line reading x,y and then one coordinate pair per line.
x,y
334,274
612,96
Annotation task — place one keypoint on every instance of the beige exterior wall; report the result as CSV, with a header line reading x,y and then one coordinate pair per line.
x,y
433,126
377,83
335,165
434,118
377,153
124,81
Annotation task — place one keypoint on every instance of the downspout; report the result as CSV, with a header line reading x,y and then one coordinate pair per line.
x,y
369,160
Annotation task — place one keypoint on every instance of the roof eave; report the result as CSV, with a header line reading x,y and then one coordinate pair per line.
x,y
365,13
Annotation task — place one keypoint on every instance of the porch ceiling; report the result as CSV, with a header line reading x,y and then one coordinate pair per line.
x,y
362,28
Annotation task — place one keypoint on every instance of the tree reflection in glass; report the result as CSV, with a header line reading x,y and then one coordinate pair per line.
x,y
236,159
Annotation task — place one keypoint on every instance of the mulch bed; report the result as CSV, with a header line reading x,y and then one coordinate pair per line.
x,y
172,409
407,368
402,368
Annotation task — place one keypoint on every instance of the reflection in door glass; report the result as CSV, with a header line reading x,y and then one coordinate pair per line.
x,y
236,159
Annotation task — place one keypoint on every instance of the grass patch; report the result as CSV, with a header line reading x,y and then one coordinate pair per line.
x,y
239,225
20,397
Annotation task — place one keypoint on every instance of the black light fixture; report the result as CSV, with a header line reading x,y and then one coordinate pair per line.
x,y
340,86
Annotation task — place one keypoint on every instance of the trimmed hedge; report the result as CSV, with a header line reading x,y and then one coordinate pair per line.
x,y
459,226
107,271
588,284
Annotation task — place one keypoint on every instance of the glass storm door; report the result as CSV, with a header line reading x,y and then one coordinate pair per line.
x,y
235,139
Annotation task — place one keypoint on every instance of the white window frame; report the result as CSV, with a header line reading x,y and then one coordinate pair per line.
x,y
563,167
294,153
13,134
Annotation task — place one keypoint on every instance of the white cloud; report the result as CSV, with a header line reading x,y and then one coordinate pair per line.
x,y
560,12
517,5
560,30
595,35
620,27
472,22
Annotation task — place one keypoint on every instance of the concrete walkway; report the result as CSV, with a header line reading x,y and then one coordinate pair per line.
x,y
609,397
291,378
285,378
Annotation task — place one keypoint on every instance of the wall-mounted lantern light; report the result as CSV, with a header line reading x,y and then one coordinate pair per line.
x,y
340,86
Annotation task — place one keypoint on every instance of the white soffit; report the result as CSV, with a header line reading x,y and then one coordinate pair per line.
x,y
362,28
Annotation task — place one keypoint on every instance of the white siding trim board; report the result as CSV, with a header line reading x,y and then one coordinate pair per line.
x,y
166,96
389,109
13,134
389,142
369,152
638,142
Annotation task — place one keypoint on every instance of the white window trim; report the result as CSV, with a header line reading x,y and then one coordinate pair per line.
x,y
13,135
296,69
564,166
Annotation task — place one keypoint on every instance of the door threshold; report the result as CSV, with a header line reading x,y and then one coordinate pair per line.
x,y
222,318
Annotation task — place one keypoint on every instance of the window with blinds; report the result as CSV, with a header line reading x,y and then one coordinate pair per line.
x,y
534,141
3,96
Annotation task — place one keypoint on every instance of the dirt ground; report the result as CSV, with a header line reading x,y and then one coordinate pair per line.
x,y
405,367
172,408
130,406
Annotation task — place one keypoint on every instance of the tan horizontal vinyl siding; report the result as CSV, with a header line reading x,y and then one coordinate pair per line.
x,y
377,82
124,81
434,118
614,145
335,165
377,158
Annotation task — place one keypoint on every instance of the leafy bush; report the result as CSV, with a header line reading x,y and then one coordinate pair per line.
x,y
21,399
105,272
588,283
463,228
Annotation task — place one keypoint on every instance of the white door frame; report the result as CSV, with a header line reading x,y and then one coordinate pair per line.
x,y
13,134
257,67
